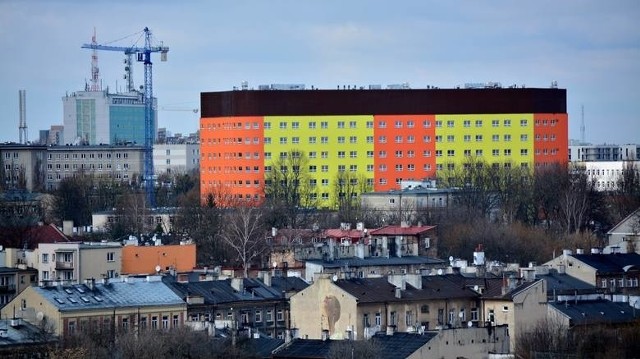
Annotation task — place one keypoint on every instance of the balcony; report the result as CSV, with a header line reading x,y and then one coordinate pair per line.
x,y
64,265
7,288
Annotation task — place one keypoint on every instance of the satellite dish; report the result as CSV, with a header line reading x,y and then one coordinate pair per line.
x,y
158,269
476,288
469,324
450,258
334,278
40,315
275,264
440,271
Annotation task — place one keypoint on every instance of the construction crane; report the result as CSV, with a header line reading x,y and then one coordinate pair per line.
x,y
143,54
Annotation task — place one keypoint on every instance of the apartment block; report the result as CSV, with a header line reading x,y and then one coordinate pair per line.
x,y
378,138
74,262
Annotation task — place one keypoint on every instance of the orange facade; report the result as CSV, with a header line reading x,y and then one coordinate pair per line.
x,y
146,259
404,148
231,163
551,138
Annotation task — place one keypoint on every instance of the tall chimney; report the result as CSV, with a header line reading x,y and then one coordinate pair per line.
x,y
22,127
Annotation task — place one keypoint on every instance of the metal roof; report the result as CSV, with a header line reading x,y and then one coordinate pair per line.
x,y
609,263
597,312
136,293
221,291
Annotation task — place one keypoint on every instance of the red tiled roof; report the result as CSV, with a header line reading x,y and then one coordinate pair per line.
x,y
339,233
47,233
400,230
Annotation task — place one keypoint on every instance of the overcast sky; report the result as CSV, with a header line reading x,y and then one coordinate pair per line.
x,y
591,48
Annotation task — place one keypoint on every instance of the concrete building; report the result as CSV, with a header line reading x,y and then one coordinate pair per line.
x,y
624,237
74,262
150,217
607,175
100,117
359,308
176,158
575,314
407,203
14,280
129,305
379,137
148,259
23,166
119,163
604,152
615,273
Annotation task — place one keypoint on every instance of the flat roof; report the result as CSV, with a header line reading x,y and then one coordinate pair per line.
x,y
382,102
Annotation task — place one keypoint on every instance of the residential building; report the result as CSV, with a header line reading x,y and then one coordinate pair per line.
x,y
607,175
100,117
379,137
14,280
615,273
358,308
178,158
404,240
407,203
576,314
129,305
151,218
517,304
370,267
152,259
20,339
624,237
244,304
604,153
74,262
446,343
23,166
120,163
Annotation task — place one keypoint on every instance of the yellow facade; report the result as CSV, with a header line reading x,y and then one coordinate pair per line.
x,y
494,138
331,143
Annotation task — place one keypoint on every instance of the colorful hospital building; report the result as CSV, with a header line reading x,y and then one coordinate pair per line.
x,y
383,136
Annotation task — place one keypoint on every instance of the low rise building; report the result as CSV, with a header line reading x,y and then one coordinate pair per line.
x,y
176,158
359,308
145,259
74,262
616,273
131,304
624,237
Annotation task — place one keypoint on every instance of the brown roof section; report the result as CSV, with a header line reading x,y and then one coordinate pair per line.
x,y
401,231
47,233
382,102
339,233
374,290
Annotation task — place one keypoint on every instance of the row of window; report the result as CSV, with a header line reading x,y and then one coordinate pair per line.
x,y
91,166
619,283
155,322
82,156
411,318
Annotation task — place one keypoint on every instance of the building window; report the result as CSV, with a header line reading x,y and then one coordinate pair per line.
x,y
283,125
312,125
378,319
269,317
258,316
165,322
393,319
365,320
409,318
295,125
125,324
474,314
279,315
176,320
324,124
72,327
154,322
110,257
45,257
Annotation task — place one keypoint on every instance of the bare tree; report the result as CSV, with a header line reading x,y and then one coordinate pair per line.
x,y
347,188
288,190
244,233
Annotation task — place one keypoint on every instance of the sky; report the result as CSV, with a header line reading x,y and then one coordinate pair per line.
x,y
591,48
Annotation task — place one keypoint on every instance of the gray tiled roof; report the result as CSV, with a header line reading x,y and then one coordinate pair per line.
x,y
597,311
609,263
220,291
114,294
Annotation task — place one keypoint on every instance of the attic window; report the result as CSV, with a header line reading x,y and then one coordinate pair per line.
x,y
60,301
98,299
68,291
73,300
80,289
85,299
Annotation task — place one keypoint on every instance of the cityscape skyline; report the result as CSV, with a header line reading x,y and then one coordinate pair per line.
x,y
590,48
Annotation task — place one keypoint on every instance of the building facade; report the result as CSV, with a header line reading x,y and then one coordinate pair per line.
x,y
376,137
75,262
176,158
121,163
604,152
100,117
23,166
